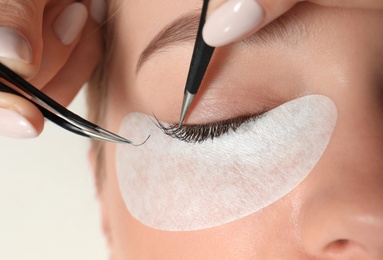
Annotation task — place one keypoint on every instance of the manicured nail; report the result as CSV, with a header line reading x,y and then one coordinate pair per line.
x,y
70,22
12,124
231,21
13,45
97,10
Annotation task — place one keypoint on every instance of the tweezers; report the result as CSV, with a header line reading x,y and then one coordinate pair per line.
x,y
52,110
201,57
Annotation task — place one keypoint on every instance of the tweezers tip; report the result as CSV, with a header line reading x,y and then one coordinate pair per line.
x,y
122,140
187,100
182,118
126,141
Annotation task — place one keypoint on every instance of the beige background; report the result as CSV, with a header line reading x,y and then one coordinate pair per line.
x,y
48,207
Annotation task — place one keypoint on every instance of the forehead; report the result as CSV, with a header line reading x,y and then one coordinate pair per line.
x,y
145,18
138,22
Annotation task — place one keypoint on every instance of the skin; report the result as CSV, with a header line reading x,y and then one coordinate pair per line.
x,y
58,70
272,9
337,212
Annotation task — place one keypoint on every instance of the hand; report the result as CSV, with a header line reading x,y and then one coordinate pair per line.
x,y
233,20
55,45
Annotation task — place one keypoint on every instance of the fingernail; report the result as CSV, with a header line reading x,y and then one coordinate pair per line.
x,y
12,124
70,22
231,21
13,45
98,10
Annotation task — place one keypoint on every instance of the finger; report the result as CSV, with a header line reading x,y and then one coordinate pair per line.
x,y
54,44
229,21
62,29
20,35
65,68
20,49
19,118
79,67
57,51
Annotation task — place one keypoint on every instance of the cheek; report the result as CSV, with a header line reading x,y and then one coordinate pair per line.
x,y
171,185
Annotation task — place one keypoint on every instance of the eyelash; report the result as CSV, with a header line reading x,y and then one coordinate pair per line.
x,y
200,133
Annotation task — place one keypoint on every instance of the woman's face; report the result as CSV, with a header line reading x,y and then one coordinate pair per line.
x,y
324,58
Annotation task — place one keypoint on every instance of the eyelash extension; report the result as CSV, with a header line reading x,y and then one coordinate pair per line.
x,y
199,133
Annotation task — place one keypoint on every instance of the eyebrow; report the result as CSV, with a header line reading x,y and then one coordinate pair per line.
x,y
288,29
183,29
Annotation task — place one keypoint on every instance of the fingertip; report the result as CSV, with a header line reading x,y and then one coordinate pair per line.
x,y
20,36
97,10
70,23
232,21
16,52
79,66
34,116
19,118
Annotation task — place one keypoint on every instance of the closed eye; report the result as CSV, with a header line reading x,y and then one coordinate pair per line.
x,y
198,133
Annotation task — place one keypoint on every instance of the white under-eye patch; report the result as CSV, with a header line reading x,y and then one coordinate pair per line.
x,y
172,185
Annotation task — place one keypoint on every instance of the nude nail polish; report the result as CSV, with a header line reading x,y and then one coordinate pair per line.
x,y
12,124
69,24
231,21
97,10
13,45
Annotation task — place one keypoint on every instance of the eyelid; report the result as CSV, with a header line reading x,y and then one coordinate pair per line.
x,y
198,133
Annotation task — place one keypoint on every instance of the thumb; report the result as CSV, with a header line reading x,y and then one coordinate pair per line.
x,y
232,20
21,35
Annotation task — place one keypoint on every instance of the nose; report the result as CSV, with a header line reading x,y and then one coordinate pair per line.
x,y
342,217
336,226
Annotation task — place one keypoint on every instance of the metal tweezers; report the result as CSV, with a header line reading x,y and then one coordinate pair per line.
x,y
52,110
